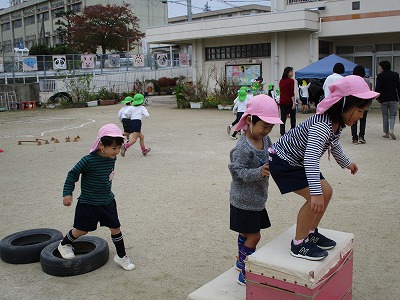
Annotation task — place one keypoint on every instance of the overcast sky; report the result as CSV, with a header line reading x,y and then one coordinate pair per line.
x,y
179,8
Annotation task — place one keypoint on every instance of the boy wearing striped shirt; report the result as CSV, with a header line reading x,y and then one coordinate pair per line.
x,y
295,163
96,202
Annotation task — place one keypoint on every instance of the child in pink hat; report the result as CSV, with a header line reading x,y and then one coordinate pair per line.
x,y
295,163
249,171
96,202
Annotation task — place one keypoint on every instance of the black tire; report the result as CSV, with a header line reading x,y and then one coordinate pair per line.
x,y
91,253
24,247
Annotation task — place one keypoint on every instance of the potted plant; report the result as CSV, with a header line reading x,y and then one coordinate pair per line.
x,y
106,97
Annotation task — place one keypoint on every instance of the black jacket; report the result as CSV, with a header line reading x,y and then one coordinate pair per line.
x,y
388,85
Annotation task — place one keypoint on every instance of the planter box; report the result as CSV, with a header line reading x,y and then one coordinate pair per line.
x,y
91,103
196,104
79,104
106,102
224,107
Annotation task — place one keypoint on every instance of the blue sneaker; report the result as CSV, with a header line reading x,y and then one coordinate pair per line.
x,y
241,279
308,250
321,241
238,266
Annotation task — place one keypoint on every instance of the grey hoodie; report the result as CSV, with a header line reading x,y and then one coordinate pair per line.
x,y
249,190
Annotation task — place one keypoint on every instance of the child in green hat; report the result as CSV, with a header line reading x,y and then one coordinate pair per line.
x,y
136,113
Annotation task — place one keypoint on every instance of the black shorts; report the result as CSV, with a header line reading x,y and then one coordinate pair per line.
x,y
247,221
127,125
136,125
87,216
304,100
287,177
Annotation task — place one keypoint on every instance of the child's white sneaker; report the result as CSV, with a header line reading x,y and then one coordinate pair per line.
x,y
66,251
124,262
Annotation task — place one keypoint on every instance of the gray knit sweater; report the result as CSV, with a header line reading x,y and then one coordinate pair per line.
x,y
249,190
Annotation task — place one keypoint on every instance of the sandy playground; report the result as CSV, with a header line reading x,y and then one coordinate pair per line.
x,y
174,203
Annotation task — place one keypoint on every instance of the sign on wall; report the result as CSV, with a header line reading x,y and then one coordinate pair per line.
x,y
59,62
242,74
138,60
29,64
162,60
113,60
184,59
87,61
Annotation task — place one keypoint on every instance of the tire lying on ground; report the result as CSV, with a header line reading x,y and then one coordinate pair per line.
x,y
24,247
91,253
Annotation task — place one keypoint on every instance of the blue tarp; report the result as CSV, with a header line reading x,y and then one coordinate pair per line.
x,y
323,68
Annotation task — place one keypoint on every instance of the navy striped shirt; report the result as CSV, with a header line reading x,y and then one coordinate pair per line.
x,y
97,173
304,145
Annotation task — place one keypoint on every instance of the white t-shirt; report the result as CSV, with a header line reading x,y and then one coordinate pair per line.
x,y
328,81
304,90
136,112
121,112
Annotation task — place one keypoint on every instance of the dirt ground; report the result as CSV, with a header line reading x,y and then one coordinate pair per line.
x,y
174,203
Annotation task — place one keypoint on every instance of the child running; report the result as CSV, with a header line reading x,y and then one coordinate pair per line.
x,y
295,163
239,108
136,113
126,122
249,171
96,202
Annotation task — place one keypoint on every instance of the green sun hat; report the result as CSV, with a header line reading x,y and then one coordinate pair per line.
x,y
127,99
138,99
242,95
270,86
243,88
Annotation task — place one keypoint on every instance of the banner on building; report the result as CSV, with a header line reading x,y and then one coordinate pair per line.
x,y
87,61
29,63
183,59
113,61
162,60
144,46
1,65
138,60
59,62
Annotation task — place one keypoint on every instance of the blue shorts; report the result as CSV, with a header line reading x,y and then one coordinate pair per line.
x,y
136,126
87,216
288,178
304,100
247,221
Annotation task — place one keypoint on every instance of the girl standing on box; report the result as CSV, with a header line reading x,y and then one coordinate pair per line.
x,y
295,161
250,173
136,113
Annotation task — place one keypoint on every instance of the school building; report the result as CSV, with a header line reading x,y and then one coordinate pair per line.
x,y
29,22
294,33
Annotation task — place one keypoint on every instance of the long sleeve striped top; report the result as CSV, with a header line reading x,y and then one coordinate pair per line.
x,y
304,145
97,173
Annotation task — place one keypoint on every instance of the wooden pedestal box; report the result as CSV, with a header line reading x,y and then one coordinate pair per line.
x,y
272,273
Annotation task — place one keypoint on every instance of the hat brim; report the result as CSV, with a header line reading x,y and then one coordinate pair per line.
x,y
241,99
268,119
329,101
135,103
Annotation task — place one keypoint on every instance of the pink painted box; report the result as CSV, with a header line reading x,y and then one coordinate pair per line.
x,y
272,273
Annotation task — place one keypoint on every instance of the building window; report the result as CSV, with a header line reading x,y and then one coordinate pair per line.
x,y
242,51
355,5
55,12
76,7
17,23
29,20
44,15
344,49
5,26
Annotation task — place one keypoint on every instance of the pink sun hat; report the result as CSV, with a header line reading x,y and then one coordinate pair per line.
x,y
350,85
106,130
262,106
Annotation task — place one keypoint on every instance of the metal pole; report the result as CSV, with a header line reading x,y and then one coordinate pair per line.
x,y
189,10
13,52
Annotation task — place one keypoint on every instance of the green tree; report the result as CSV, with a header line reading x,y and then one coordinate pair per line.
x,y
110,27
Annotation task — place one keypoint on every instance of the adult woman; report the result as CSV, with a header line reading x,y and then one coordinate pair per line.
x,y
287,102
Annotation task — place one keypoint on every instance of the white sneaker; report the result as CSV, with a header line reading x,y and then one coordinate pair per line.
x,y
391,133
66,251
124,262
